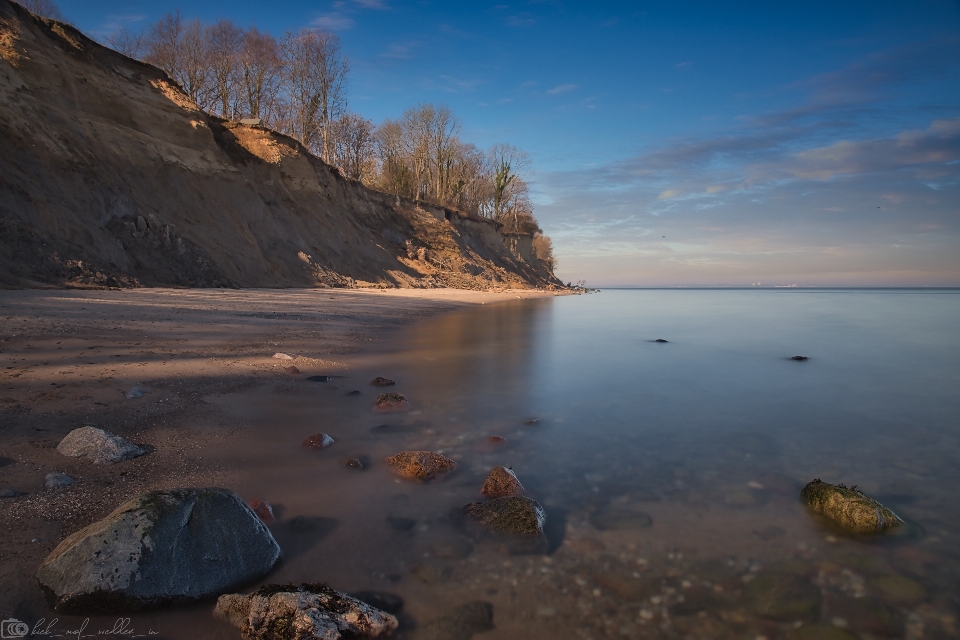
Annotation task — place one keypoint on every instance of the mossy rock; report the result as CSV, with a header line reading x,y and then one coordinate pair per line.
x,y
783,597
849,508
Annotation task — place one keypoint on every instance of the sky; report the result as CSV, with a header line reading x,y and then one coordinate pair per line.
x,y
676,144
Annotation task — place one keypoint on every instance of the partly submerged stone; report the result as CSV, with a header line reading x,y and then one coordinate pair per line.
x,y
98,446
421,465
160,547
264,511
380,381
392,401
500,483
516,519
57,480
304,612
850,508
317,441
458,624
783,597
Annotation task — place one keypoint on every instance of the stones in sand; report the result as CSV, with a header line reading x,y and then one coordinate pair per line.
x,y
98,446
387,402
380,381
421,465
305,612
161,547
317,442
501,482
849,507
56,480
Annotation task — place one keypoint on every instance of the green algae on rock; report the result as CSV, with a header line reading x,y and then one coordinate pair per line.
x,y
849,507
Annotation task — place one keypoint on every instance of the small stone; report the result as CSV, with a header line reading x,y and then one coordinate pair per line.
x,y
263,510
421,465
57,480
501,482
782,597
317,441
850,508
305,612
354,463
8,493
98,446
136,392
282,356
896,589
531,421
292,370
389,402
382,382
660,340
318,379
355,392
619,519
458,624
799,358
432,572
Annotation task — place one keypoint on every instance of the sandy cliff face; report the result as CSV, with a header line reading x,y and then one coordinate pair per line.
x,y
110,176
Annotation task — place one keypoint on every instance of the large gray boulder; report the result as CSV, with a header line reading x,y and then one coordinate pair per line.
x,y
305,612
98,446
160,547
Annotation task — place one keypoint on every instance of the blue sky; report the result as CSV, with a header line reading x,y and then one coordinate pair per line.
x,y
678,143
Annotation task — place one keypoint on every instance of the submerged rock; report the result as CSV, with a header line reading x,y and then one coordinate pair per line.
x,y
380,381
799,358
386,402
516,519
421,465
500,483
850,508
459,624
318,379
619,519
783,597
531,421
264,511
57,480
305,612
160,547
317,441
432,571
98,446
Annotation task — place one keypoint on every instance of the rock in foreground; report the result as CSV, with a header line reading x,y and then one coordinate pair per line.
x,y
305,612
501,482
421,465
517,520
850,508
160,547
98,446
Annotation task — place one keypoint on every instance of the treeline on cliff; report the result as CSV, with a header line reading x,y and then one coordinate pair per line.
x,y
297,85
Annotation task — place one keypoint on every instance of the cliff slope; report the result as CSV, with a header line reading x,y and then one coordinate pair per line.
x,y
110,176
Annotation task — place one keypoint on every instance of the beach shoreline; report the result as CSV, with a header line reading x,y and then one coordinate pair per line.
x,y
71,358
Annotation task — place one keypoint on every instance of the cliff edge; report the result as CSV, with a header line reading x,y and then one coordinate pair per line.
x,y
111,176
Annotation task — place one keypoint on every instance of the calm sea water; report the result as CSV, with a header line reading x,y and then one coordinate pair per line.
x,y
710,435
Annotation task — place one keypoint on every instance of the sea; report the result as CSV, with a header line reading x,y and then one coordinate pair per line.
x,y
666,433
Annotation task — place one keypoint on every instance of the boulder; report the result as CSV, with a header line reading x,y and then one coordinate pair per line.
x,y
517,520
850,508
421,465
305,612
380,381
56,480
500,483
160,547
458,624
387,402
317,441
98,446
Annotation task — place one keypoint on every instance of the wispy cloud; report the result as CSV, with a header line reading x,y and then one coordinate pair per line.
x,y
334,21
371,4
563,88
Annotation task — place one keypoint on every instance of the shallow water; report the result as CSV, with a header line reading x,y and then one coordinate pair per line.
x,y
711,434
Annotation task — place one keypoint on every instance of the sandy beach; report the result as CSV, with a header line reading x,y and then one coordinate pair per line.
x,y
72,358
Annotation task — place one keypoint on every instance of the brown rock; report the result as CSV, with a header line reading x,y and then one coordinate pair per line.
x,y
421,465
848,507
380,381
500,483
389,402
317,441
292,370
263,510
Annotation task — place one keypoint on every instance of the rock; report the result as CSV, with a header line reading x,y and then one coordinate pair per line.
x,y
57,480
9,493
520,520
799,358
160,547
355,392
98,446
500,483
821,632
619,519
383,600
292,370
432,572
382,382
401,524
782,597
456,548
896,589
136,392
459,624
849,508
317,442
263,510
660,340
421,465
319,379
531,421
387,402
282,356
305,612
355,463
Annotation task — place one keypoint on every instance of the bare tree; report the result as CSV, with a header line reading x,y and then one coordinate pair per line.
x,y
260,71
45,8
179,48
508,187
395,176
353,149
224,42
315,75
125,41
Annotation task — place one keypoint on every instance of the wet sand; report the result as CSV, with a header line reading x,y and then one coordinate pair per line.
x,y
69,358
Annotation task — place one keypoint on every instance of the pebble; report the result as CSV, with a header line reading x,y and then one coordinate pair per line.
x,y
317,442
57,480
136,392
